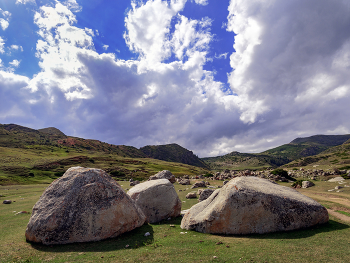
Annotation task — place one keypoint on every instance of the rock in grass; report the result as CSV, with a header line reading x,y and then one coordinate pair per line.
x,y
83,205
307,184
7,202
165,174
191,195
205,194
157,199
248,205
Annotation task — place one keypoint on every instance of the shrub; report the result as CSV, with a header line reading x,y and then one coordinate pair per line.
x,y
298,182
117,173
283,173
208,175
91,160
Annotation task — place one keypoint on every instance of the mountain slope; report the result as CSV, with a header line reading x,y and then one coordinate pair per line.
x,y
172,153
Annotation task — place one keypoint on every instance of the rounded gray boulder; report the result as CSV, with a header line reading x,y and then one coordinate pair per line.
x,y
85,204
249,205
157,199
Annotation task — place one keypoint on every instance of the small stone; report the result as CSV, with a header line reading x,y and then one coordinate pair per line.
x,y
227,246
147,234
215,257
126,246
172,225
7,202
219,243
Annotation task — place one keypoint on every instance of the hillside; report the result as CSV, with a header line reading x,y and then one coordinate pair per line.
x,y
281,155
308,146
172,153
335,157
29,155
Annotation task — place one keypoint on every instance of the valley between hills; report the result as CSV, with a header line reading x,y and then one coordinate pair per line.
x,y
38,156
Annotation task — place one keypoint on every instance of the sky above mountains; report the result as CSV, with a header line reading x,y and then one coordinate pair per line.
x,y
214,76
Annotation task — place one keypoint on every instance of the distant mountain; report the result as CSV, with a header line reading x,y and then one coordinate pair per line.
x,y
172,153
281,155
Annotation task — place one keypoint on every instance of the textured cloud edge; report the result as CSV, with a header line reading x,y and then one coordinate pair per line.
x,y
290,77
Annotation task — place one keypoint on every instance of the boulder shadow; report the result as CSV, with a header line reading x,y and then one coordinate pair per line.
x,y
330,226
130,240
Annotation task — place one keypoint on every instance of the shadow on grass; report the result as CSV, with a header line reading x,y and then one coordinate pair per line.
x,y
331,226
130,240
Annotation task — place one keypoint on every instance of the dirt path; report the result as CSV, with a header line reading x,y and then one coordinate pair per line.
x,y
339,215
322,197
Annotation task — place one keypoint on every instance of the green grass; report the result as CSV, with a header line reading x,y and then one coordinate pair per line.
x,y
324,243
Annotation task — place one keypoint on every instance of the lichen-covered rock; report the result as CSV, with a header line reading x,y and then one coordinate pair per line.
x,y
165,174
83,205
205,193
157,199
248,205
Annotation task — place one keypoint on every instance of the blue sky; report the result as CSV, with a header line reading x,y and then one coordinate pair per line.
x,y
211,75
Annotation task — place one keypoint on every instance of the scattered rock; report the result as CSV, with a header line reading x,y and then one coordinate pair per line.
x,y
157,199
83,205
165,174
307,184
22,212
184,182
7,202
248,205
205,194
147,234
191,195
338,187
198,184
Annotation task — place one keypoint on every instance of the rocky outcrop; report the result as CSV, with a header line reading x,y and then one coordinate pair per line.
x,y
165,174
83,205
248,205
157,199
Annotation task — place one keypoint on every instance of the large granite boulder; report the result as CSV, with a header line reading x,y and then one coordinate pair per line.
x,y
157,199
165,174
83,205
248,205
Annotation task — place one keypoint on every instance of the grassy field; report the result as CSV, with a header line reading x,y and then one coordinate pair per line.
x,y
324,243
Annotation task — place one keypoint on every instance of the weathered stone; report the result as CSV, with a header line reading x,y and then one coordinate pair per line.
x,y
7,202
85,204
198,184
165,174
253,205
307,184
205,194
157,199
338,187
184,182
191,195
199,191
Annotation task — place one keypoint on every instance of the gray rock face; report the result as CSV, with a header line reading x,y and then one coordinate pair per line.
x,y
205,194
307,184
157,199
248,205
83,205
165,174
